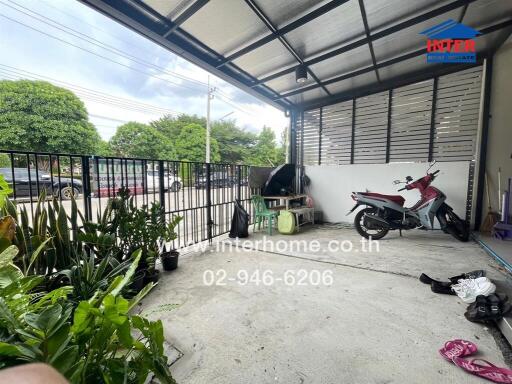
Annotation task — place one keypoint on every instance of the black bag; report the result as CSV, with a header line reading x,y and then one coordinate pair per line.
x,y
240,222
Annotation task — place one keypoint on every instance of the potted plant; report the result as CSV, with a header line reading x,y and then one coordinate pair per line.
x,y
169,258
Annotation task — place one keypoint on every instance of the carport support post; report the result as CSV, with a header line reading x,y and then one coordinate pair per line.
x,y
486,115
292,150
353,134
161,185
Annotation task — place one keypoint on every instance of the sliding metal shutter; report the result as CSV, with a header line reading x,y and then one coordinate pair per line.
x,y
336,134
371,129
411,109
456,115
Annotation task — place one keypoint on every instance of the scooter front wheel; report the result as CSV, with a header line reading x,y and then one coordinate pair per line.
x,y
374,233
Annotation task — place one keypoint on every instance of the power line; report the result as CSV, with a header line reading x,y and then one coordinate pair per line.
x,y
114,50
94,53
86,92
99,43
222,96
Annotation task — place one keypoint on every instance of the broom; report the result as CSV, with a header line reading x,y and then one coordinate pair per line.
x,y
492,217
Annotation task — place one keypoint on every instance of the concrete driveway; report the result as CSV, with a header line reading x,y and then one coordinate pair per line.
x,y
375,322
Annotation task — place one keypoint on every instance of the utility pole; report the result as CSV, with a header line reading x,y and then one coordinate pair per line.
x,y
208,128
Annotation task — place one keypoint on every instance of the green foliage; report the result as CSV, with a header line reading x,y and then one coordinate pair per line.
x,y
141,140
39,116
5,191
171,126
143,228
265,151
91,343
5,161
191,144
235,144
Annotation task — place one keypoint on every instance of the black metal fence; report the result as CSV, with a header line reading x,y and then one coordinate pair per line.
x,y
202,193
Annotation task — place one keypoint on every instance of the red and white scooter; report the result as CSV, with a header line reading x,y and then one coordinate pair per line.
x,y
387,212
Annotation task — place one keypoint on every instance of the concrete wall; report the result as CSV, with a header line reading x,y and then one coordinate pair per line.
x,y
331,186
499,148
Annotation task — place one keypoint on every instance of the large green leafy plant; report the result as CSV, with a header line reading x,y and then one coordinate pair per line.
x,y
96,341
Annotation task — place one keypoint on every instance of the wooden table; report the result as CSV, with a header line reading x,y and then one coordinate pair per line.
x,y
286,199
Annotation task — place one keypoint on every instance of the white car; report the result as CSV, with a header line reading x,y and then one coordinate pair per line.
x,y
171,182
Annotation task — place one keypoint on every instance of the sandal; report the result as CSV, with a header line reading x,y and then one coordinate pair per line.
x,y
457,348
488,371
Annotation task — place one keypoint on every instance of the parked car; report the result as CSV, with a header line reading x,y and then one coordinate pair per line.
x,y
64,187
171,182
218,180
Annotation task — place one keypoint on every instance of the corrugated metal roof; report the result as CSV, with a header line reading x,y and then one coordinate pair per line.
x,y
257,44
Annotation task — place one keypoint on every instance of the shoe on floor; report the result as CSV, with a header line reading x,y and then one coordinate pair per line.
x,y
468,275
488,308
469,289
441,287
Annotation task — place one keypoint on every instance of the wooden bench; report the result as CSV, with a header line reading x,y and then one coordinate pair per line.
x,y
307,213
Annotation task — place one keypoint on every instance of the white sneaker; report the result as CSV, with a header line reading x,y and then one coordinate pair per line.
x,y
469,289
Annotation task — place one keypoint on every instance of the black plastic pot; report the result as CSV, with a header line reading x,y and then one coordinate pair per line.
x,y
151,277
138,282
169,260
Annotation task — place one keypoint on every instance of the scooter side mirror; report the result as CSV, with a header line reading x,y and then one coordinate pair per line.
x,y
408,179
396,182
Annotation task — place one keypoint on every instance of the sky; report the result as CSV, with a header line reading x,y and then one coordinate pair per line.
x,y
119,75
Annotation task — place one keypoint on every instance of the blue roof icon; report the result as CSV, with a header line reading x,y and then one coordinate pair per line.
x,y
450,29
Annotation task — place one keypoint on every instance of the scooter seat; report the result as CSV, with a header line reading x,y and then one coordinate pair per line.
x,y
394,198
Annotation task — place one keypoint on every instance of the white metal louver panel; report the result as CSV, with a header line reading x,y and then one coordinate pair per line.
x,y
311,137
411,108
371,129
336,134
456,115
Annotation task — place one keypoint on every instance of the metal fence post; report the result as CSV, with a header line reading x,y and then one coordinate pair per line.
x,y
239,186
209,221
161,185
86,179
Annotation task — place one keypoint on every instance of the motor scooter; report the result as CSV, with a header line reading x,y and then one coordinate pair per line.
x,y
387,212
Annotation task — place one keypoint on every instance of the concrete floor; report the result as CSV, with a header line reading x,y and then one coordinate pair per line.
x,y
376,323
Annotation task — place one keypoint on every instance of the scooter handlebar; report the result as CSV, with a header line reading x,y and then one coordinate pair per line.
x,y
402,189
436,172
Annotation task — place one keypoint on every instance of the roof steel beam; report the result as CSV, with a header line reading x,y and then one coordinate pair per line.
x,y
387,63
368,37
144,20
286,29
257,10
378,35
185,15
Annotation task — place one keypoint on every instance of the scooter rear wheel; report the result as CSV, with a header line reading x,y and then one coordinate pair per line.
x,y
375,234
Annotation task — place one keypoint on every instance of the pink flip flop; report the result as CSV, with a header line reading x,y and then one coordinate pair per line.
x,y
457,348
488,371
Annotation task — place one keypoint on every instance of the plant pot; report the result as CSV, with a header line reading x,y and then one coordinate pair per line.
x,y
151,277
138,282
169,260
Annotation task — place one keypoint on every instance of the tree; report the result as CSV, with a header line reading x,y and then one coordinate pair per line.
x,y
172,126
265,152
140,140
234,143
41,117
191,144
5,161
